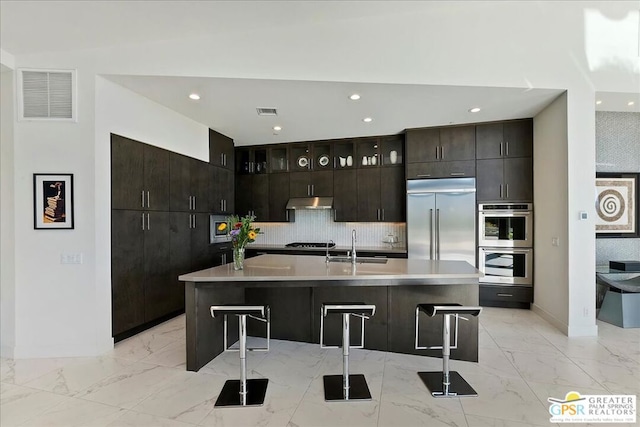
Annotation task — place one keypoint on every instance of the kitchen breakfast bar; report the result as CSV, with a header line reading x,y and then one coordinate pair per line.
x,y
296,286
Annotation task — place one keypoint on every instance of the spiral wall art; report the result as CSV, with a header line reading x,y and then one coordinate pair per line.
x,y
616,205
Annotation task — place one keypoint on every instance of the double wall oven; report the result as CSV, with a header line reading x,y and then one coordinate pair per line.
x,y
505,243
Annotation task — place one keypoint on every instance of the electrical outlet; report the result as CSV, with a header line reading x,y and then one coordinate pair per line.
x,y
555,241
71,258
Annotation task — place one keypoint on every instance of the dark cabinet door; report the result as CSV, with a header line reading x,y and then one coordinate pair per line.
x,y
458,143
127,174
157,266
221,150
278,197
322,183
156,178
260,195
200,242
180,256
422,145
489,141
180,184
223,181
460,168
368,195
201,186
489,180
392,195
518,179
300,184
127,270
345,199
518,137
243,194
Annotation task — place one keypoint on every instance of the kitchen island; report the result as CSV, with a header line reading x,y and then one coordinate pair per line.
x,y
295,286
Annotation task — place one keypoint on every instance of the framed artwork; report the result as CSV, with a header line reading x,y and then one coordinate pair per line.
x,y
617,205
52,201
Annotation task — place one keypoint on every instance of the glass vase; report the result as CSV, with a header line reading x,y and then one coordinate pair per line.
x,y
238,258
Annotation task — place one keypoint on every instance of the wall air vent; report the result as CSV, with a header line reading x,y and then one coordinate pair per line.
x,y
267,111
47,94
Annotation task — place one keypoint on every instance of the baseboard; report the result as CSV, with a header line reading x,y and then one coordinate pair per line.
x,y
6,352
563,327
583,331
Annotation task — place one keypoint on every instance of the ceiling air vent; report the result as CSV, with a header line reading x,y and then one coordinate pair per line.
x,y
47,94
267,111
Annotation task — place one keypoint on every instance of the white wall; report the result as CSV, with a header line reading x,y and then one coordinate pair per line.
x,y
528,44
551,272
7,218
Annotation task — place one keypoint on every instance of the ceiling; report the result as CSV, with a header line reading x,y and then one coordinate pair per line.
x,y
307,110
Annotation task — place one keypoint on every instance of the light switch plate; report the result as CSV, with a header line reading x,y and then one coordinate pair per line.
x,y
583,215
70,258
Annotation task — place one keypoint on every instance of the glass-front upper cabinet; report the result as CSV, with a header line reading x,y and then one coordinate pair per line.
x,y
367,151
251,160
300,158
343,154
321,156
392,150
278,158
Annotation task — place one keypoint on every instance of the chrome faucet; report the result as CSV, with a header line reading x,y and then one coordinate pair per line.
x,y
353,246
328,258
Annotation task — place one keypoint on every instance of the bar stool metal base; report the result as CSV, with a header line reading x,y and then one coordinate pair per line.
x,y
230,394
458,386
333,388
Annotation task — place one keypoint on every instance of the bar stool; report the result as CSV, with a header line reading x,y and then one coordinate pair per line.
x,y
445,383
243,392
346,386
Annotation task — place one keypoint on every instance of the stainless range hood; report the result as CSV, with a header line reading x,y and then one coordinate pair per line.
x,y
310,203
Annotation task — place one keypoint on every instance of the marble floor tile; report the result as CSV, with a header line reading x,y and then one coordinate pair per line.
x,y
172,356
21,371
504,398
136,419
78,374
490,362
188,401
550,368
530,342
398,410
477,421
140,346
76,413
18,404
616,377
130,386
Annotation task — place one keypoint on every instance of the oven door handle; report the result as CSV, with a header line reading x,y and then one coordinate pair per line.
x,y
504,213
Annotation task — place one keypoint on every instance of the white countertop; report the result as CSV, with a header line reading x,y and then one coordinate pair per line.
x,y
382,249
314,268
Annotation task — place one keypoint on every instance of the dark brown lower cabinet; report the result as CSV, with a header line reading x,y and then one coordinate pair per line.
x,y
278,197
127,270
159,289
345,196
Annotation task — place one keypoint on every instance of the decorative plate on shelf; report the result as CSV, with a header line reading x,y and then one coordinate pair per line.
x,y
303,161
323,160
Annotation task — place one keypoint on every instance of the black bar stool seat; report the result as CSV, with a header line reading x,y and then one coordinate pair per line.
x,y
243,392
446,383
347,386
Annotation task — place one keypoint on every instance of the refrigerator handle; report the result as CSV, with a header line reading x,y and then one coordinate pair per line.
x,y
437,234
431,242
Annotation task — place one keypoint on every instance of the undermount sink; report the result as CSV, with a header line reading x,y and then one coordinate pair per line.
x,y
359,260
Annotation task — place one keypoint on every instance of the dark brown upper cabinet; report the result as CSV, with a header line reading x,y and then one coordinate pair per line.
x,y
140,175
221,150
279,158
440,144
509,179
504,139
344,154
251,160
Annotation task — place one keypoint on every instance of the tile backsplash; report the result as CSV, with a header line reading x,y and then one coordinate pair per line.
x,y
318,226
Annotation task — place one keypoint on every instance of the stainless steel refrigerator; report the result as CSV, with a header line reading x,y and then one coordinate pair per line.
x,y
441,221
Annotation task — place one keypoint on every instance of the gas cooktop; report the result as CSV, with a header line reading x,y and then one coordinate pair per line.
x,y
309,245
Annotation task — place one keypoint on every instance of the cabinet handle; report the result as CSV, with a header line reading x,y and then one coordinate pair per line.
x,y
148,204
437,150
313,189
194,221
222,159
501,191
501,149
441,152
194,203
424,175
507,190
378,214
505,295
142,198
225,205
457,174
142,221
221,205
382,210
148,222
507,145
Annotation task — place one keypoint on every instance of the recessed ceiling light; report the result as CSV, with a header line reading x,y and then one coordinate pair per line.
x,y
354,97
474,110
598,102
277,128
194,96
630,103
367,120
